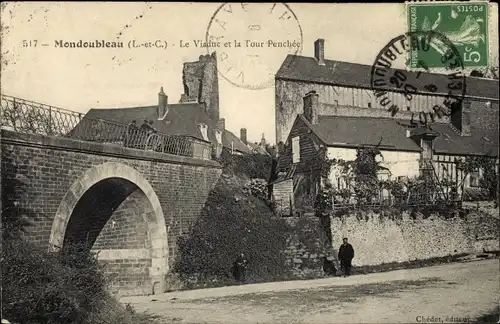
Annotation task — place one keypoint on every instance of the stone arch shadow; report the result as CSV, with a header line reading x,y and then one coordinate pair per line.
x,y
109,185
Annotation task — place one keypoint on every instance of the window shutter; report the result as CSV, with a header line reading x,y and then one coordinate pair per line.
x,y
296,149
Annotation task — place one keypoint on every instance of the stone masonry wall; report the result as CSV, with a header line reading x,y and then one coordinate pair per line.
x,y
381,240
128,277
200,80
485,224
127,223
306,246
126,231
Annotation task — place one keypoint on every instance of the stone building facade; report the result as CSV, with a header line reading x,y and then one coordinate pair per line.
x,y
344,89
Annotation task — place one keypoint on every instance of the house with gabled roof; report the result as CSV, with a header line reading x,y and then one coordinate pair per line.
x,y
405,146
344,89
254,148
231,142
188,119
324,105
195,116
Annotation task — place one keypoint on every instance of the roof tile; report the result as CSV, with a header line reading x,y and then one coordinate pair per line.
x,y
339,73
182,119
481,141
237,144
388,134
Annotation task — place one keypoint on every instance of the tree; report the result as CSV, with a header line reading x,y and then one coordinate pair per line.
x,y
489,181
366,167
361,175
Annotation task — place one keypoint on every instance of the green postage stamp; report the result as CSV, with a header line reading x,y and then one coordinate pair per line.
x,y
463,24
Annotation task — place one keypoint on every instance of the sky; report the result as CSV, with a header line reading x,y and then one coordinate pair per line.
x,y
80,79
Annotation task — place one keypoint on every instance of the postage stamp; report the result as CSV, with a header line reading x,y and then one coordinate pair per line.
x,y
465,24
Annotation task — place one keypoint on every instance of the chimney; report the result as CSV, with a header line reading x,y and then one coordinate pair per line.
x,y
319,51
221,125
460,117
162,104
243,135
263,140
311,105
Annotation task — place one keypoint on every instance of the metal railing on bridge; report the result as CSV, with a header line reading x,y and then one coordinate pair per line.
x,y
32,117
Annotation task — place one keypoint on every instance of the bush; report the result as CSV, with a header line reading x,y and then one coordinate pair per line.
x,y
64,287
323,202
44,287
256,188
232,223
397,189
250,165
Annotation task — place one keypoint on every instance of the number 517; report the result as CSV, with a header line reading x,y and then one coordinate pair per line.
x,y
30,43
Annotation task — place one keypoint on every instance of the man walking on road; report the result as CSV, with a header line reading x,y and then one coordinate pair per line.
x,y
346,254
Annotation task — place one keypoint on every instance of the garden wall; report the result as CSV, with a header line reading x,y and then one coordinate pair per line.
x,y
379,239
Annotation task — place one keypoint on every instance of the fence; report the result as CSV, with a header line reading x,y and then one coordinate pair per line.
x,y
424,186
286,208
414,192
32,117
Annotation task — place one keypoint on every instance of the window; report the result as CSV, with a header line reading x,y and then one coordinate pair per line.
x,y
296,149
445,172
204,131
343,183
340,183
474,178
383,175
218,136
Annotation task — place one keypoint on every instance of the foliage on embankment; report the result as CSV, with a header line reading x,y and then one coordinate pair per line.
x,y
231,223
64,287
236,219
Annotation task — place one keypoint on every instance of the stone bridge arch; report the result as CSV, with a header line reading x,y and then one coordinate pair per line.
x,y
88,213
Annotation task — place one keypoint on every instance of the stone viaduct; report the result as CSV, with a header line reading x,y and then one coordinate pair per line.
x,y
130,205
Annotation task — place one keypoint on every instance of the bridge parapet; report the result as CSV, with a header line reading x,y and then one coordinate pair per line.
x,y
26,116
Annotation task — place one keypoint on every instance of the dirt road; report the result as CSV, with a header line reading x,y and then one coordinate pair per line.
x,y
441,294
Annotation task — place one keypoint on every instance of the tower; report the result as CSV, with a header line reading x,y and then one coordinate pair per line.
x,y
201,84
